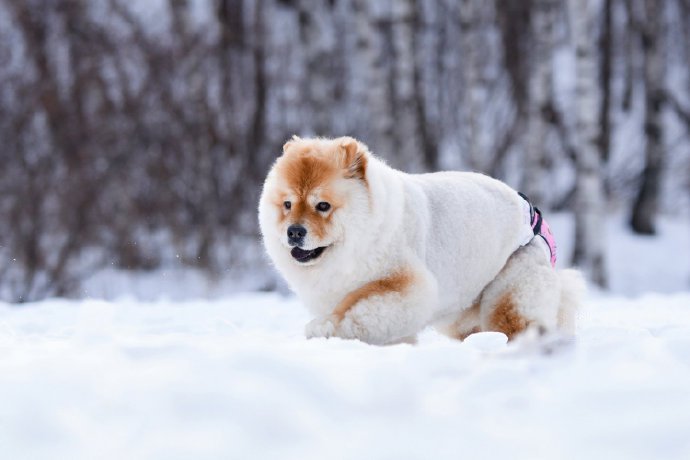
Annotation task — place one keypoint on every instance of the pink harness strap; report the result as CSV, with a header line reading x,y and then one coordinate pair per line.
x,y
545,232
541,228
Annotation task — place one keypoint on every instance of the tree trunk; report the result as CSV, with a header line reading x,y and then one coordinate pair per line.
x,y
409,125
589,203
317,34
605,61
540,99
471,103
645,206
374,79
427,82
629,51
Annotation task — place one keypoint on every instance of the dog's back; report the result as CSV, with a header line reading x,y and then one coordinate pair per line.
x,y
472,224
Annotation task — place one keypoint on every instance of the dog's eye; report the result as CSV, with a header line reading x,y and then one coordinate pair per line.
x,y
323,206
287,204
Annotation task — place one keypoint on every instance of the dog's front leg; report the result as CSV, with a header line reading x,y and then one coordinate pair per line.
x,y
388,310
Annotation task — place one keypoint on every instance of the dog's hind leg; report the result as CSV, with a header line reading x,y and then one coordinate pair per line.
x,y
526,294
467,323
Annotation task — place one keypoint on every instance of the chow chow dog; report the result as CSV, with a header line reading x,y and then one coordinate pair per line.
x,y
377,254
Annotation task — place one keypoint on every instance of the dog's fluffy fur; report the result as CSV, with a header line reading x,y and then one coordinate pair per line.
x,y
403,251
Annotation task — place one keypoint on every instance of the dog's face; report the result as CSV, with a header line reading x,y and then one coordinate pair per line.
x,y
315,190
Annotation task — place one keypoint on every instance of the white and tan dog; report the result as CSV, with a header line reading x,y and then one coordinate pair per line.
x,y
377,254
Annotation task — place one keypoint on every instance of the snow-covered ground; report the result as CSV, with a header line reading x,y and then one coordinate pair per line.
x,y
230,376
235,378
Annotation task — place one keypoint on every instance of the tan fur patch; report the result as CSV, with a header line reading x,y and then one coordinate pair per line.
x,y
505,317
304,172
311,164
466,324
355,159
463,335
397,282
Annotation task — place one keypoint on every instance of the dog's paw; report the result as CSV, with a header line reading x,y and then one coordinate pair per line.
x,y
321,327
351,328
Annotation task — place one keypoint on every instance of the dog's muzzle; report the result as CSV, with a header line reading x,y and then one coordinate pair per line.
x,y
303,255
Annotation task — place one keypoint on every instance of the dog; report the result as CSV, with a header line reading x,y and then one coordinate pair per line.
x,y
376,254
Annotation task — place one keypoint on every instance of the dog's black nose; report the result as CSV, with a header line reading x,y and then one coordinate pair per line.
x,y
296,234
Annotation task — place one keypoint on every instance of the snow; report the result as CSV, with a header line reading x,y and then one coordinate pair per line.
x,y
636,264
222,374
234,378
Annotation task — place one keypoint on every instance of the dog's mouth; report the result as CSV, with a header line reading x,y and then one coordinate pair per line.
x,y
302,255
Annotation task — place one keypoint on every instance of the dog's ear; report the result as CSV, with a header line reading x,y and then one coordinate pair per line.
x,y
295,138
354,157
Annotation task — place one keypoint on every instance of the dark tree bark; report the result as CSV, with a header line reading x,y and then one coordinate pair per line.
x,y
605,61
645,206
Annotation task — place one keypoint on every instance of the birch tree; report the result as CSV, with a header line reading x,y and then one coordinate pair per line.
x,y
589,201
374,77
317,35
409,122
543,20
605,64
471,102
645,205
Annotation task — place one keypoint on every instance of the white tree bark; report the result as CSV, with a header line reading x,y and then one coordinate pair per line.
x,y
408,126
319,43
471,97
540,96
590,233
374,80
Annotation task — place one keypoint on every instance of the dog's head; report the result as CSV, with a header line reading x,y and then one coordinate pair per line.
x,y
314,192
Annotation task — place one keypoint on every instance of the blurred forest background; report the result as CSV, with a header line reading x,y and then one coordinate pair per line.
x,y
136,134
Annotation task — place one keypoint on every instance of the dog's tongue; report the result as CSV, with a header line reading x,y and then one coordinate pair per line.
x,y
299,253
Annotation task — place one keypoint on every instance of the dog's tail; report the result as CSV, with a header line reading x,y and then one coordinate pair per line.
x,y
573,288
